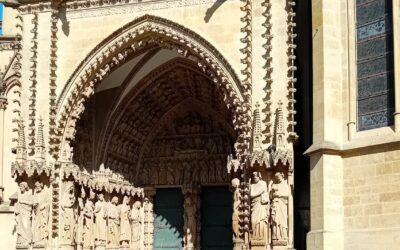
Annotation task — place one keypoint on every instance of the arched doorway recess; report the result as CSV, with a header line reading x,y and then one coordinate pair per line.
x,y
153,108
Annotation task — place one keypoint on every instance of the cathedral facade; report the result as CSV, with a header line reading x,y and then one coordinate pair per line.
x,y
200,124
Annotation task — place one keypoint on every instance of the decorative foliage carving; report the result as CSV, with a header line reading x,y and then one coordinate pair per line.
x,y
292,68
32,88
247,71
53,68
268,36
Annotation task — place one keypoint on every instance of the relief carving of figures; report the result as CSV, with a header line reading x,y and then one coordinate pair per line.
x,y
136,219
236,205
259,208
280,191
68,214
125,235
41,214
101,223
113,223
23,215
88,213
190,220
80,225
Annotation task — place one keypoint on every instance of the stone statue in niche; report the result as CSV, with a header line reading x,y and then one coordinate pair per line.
x,y
41,214
259,208
125,235
170,174
190,221
236,205
80,225
280,192
136,222
68,222
101,223
113,223
88,212
23,215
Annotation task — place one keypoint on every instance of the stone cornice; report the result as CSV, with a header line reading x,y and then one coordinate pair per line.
x,y
355,147
9,42
98,5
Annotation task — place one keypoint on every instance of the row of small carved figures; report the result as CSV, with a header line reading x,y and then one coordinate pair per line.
x,y
94,220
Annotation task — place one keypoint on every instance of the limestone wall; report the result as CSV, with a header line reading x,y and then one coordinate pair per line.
x,y
372,199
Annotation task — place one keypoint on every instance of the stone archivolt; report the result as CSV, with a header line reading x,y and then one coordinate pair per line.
x,y
107,57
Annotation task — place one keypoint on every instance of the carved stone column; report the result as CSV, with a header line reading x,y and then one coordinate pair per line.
x,y
148,217
3,106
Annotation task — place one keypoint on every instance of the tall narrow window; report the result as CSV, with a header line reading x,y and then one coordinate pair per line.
x,y
374,63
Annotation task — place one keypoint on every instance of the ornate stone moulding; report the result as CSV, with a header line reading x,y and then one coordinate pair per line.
x,y
282,155
30,167
10,43
27,7
261,157
103,179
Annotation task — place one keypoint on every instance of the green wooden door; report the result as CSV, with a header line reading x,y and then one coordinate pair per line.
x,y
168,219
216,218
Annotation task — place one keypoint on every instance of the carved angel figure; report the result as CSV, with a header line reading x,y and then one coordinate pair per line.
x,y
41,214
23,215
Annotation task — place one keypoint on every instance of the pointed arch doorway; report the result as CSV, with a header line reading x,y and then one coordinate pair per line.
x,y
162,112
170,133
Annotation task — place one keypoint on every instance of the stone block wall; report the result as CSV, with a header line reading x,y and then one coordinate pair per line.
x,y
371,199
